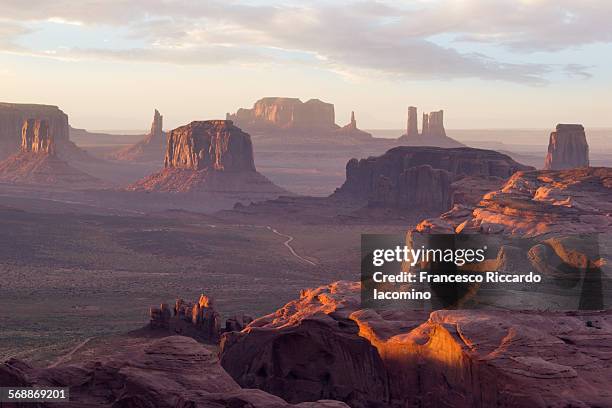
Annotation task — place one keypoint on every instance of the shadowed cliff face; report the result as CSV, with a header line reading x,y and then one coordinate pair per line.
x,y
171,372
423,177
568,148
214,145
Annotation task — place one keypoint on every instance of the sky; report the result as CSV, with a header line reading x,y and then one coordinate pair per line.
x,y
487,63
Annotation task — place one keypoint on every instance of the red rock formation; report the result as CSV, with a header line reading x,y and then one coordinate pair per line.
x,y
412,129
533,203
314,354
151,148
449,359
171,372
567,148
35,137
215,145
12,117
432,133
350,131
421,177
286,113
433,125
213,156
37,162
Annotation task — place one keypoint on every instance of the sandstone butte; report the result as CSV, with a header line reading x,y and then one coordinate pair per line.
x,y
37,161
409,177
292,117
211,156
12,117
432,130
567,148
151,148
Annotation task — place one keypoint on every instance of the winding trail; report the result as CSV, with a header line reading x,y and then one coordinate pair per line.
x,y
67,356
287,243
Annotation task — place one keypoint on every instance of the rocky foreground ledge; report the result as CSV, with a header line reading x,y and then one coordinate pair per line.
x,y
168,372
323,345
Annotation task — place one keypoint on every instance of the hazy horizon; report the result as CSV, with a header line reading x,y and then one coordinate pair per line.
x,y
489,65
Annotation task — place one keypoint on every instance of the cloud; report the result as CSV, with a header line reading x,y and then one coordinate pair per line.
x,y
382,38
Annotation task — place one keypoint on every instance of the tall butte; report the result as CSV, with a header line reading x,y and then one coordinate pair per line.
x,y
432,130
37,161
567,148
151,148
208,156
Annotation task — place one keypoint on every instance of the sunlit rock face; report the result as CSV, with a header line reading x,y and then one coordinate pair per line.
x,y
286,113
213,156
423,177
12,117
215,145
533,203
37,162
446,358
567,148
35,137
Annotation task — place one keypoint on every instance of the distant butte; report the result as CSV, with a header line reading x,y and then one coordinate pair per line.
x,y
289,117
411,177
432,133
151,148
212,156
567,148
37,161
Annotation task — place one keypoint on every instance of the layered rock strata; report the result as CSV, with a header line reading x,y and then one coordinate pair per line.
x,y
12,117
324,344
425,177
169,372
38,163
213,156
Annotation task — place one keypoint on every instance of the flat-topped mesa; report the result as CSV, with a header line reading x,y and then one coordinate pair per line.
x,y
423,177
35,137
286,113
433,124
13,115
412,129
567,148
215,145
